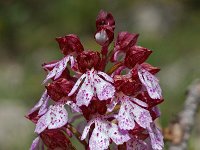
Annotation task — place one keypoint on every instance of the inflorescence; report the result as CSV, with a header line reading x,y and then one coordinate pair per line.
x,y
114,90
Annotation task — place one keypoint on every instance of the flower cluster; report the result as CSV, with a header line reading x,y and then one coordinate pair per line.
x,y
114,90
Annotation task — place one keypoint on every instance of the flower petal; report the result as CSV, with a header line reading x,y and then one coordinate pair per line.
x,y
104,90
49,65
125,116
112,104
117,136
39,103
72,61
58,69
41,124
107,77
135,144
99,139
75,87
43,108
85,94
35,144
142,116
61,66
86,129
139,102
151,83
156,137
57,116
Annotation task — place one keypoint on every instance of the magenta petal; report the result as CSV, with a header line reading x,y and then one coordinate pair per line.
x,y
35,144
104,90
57,116
151,83
117,136
136,144
156,137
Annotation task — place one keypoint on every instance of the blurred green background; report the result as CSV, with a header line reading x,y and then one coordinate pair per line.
x,y
171,28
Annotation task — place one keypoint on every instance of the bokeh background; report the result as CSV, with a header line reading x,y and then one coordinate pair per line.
x,y
171,28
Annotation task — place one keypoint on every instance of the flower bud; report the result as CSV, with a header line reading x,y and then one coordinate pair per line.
x,y
87,60
136,55
69,44
123,43
128,85
96,106
104,36
105,19
59,89
55,139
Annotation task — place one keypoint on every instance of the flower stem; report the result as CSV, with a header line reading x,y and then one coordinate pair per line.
x,y
115,67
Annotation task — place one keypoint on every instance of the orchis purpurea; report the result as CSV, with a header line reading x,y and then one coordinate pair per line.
x,y
116,96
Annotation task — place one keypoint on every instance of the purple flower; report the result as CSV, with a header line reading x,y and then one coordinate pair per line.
x,y
58,68
151,83
130,112
156,137
102,133
93,85
55,117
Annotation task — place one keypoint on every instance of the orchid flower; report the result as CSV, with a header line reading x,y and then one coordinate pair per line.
x,y
102,133
93,85
118,102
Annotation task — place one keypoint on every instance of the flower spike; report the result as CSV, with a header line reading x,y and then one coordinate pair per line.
x,y
118,106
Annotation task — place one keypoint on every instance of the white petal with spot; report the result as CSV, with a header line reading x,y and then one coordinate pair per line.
x,y
77,84
41,124
151,83
57,116
86,129
117,136
104,89
58,69
156,137
125,117
85,93
107,77
130,112
99,139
